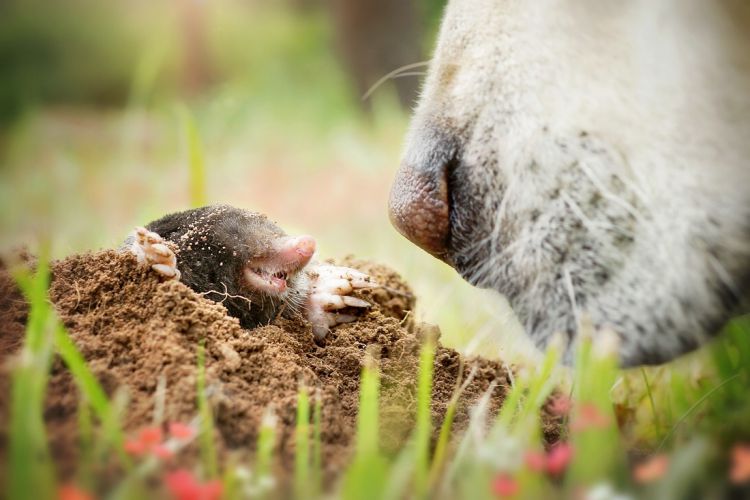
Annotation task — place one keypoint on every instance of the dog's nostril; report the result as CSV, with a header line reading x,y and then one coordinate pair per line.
x,y
419,206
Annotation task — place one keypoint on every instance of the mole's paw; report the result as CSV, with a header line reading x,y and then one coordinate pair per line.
x,y
329,291
151,250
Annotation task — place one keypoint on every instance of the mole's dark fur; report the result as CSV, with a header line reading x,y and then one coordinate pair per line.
x,y
213,245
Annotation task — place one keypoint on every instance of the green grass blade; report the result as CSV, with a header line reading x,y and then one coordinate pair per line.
x,y
86,477
265,452
196,160
654,412
317,445
423,429
91,390
693,408
441,449
31,474
208,451
512,403
598,453
366,478
302,445
399,476
539,388
367,418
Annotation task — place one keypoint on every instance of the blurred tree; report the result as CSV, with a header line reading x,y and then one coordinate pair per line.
x,y
197,69
375,37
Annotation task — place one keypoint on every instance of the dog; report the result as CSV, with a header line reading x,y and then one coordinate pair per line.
x,y
589,158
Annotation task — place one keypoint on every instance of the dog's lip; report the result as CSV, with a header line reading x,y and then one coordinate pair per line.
x,y
419,209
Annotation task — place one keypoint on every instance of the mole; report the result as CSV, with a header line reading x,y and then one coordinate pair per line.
x,y
246,262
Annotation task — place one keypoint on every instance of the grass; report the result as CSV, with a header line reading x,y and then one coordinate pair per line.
x,y
283,137
31,470
196,161
302,445
93,396
477,464
423,428
694,420
208,449
366,477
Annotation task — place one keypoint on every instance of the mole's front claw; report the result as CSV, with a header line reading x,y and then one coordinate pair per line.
x,y
150,249
330,286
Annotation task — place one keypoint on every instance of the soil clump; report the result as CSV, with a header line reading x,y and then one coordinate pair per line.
x,y
137,332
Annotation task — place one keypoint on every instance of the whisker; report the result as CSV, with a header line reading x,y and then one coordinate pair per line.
x,y
394,74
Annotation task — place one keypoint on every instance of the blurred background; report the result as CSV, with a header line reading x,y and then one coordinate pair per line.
x,y
104,106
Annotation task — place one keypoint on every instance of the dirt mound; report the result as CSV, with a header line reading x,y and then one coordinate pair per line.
x,y
134,329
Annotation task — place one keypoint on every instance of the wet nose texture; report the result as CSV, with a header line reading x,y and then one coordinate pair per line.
x,y
419,203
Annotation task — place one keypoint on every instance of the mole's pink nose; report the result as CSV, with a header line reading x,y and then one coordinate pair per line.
x,y
305,245
292,252
419,206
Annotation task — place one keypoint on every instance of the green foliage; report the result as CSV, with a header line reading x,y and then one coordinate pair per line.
x,y
302,444
31,472
366,477
599,455
265,453
423,429
208,449
80,50
92,395
463,465
316,484
195,160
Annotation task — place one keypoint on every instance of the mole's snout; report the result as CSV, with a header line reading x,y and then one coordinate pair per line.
x,y
419,204
295,250
288,254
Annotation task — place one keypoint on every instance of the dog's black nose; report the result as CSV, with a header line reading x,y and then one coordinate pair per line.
x,y
419,204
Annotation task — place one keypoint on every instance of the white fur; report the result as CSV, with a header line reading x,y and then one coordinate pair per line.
x,y
643,105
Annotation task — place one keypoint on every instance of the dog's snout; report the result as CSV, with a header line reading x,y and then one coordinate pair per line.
x,y
419,202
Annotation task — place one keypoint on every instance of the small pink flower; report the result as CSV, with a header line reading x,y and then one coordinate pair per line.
x,y
504,485
558,458
178,430
150,440
561,405
651,470
589,417
739,473
183,485
135,447
162,452
72,492
150,436
212,490
535,461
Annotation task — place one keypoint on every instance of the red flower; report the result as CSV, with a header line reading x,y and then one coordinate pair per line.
x,y
162,452
652,469
558,458
504,485
150,436
535,461
135,447
178,430
72,492
149,440
183,485
740,471
589,417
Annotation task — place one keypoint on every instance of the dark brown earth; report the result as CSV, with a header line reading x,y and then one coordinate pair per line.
x,y
133,329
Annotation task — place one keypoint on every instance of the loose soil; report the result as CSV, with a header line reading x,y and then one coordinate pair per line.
x,y
135,330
